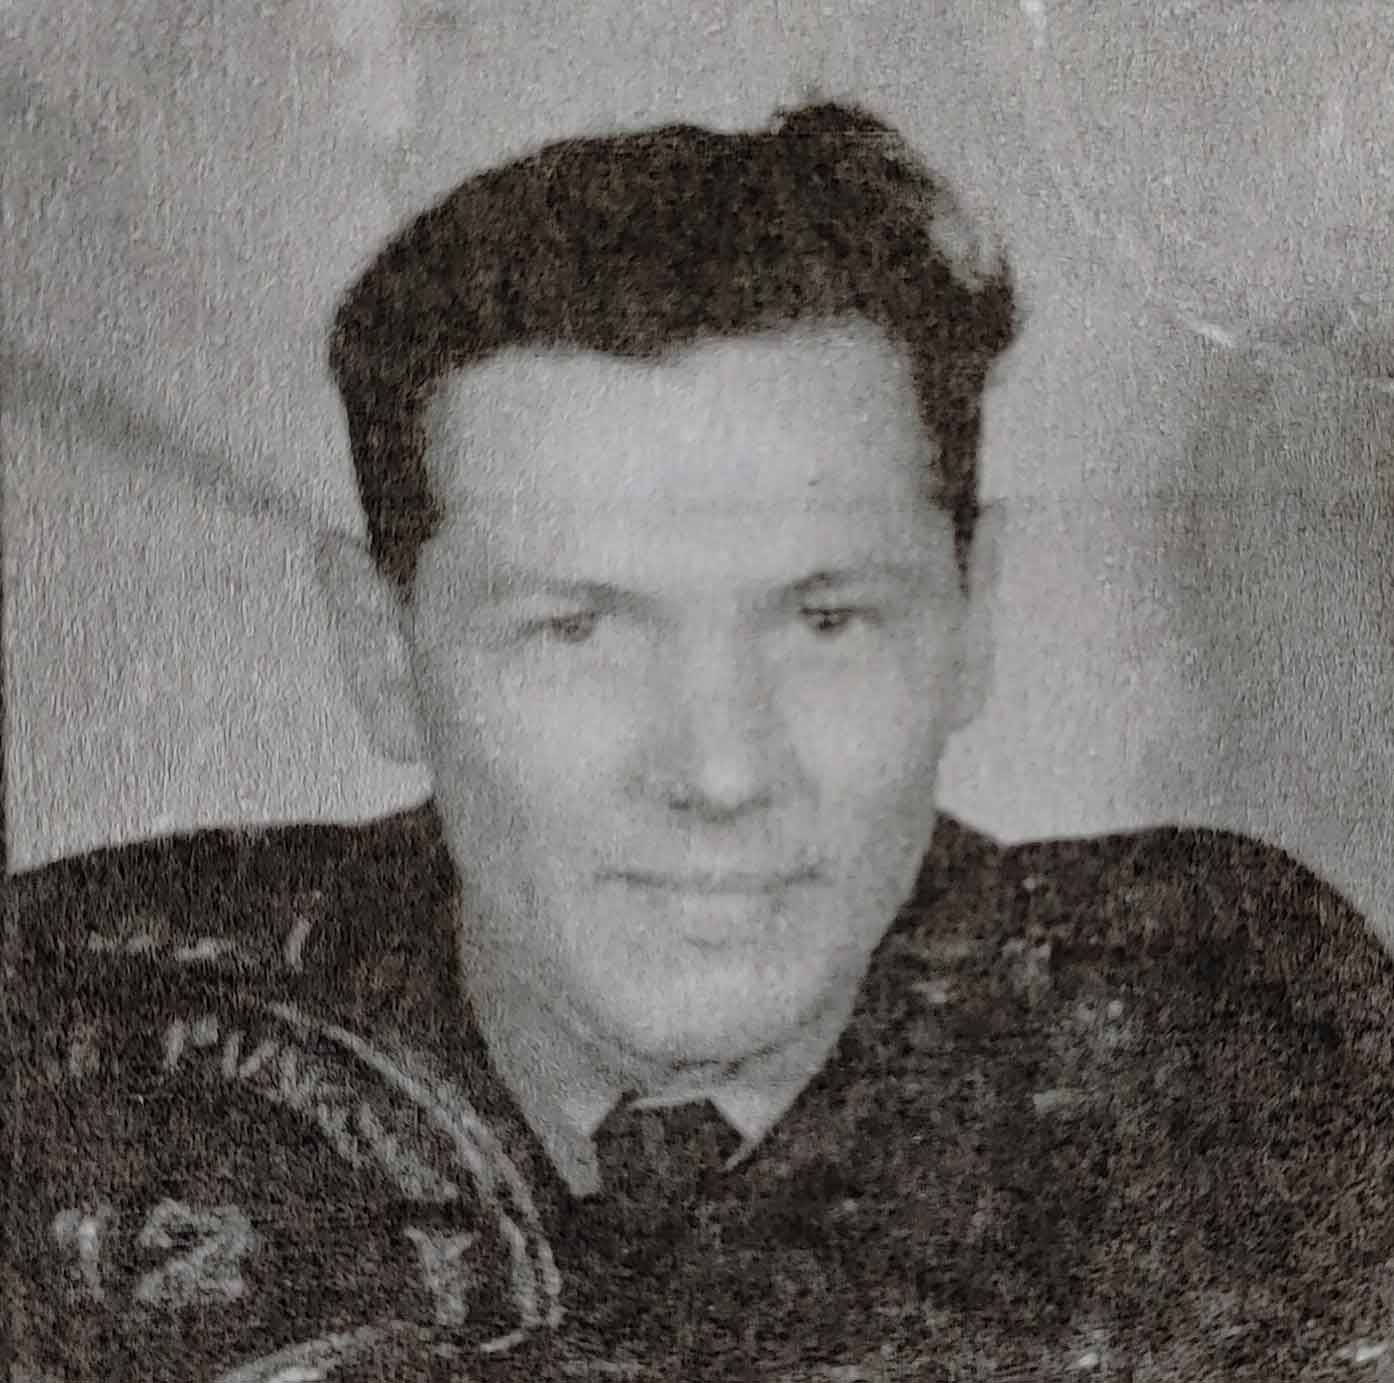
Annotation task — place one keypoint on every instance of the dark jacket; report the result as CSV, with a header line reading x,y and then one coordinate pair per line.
x,y
1119,1105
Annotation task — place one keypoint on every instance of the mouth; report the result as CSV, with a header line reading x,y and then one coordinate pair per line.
x,y
733,884
719,911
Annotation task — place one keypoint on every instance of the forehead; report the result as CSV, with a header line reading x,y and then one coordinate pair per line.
x,y
737,440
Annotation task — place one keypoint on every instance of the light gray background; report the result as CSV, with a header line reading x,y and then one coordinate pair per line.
x,y
1195,611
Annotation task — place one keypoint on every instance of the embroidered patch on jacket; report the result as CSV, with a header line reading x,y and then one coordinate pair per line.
x,y
201,1169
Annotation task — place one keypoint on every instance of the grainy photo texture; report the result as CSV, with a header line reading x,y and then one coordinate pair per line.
x,y
678,1030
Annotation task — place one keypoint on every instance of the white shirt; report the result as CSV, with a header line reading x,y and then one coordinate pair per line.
x,y
564,1094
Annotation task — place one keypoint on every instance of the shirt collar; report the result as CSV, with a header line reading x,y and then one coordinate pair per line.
x,y
564,1094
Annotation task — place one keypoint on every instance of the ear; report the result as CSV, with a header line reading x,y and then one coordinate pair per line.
x,y
976,642
368,622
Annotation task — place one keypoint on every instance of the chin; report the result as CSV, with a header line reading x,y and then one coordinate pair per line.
x,y
715,1023
688,1047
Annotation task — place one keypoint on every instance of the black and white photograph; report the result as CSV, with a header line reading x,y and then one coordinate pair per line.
x,y
698,692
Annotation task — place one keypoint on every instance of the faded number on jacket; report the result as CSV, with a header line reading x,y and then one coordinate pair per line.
x,y
212,1243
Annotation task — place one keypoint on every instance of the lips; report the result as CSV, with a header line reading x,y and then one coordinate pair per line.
x,y
715,884
718,910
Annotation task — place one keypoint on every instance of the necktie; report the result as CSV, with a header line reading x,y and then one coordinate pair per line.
x,y
647,1240
654,1162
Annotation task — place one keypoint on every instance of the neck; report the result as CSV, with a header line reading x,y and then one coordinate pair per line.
x,y
521,1019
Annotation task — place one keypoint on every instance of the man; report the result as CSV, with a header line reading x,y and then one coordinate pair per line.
x,y
676,578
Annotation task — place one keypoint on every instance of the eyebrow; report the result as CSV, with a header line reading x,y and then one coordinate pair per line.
x,y
500,587
830,578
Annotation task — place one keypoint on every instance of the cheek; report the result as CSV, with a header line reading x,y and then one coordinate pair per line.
x,y
877,748
876,729
515,759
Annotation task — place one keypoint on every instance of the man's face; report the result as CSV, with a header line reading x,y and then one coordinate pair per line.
x,y
688,647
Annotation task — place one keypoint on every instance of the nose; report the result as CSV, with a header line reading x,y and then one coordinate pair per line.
x,y
720,747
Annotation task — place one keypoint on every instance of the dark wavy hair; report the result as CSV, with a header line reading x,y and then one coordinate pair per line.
x,y
638,245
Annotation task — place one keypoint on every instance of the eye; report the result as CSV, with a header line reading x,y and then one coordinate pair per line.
x,y
834,619
572,628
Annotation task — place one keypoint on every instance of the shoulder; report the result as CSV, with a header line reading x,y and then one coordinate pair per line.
x,y
260,900
172,999
1196,870
1193,867
1211,904
1189,916
1156,1066
336,920
1154,891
